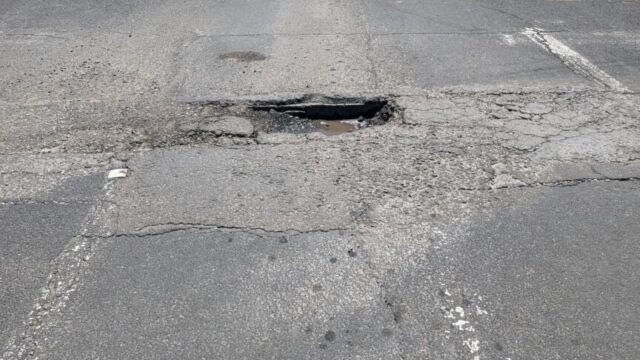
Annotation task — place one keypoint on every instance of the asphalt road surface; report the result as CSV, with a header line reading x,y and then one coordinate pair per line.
x,y
176,180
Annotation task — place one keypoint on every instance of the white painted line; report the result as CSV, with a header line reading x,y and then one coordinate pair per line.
x,y
117,173
573,59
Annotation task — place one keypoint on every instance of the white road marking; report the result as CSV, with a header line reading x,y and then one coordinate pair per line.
x,y
573,59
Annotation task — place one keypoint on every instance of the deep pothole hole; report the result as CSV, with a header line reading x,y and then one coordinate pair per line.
x,y
328,116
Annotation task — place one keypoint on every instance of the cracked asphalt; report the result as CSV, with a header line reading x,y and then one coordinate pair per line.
x,y
495,215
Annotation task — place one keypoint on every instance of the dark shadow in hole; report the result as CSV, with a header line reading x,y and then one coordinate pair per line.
x,y
314,111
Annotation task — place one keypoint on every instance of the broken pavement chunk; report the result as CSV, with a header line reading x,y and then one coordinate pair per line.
x,y
225,125
230,125
117,173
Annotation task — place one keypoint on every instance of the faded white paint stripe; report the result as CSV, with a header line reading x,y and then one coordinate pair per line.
x,y
573,59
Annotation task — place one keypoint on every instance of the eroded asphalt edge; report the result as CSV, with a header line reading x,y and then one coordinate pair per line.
x,y
602,165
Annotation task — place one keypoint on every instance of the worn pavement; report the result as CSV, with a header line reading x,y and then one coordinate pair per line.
x,y
494,216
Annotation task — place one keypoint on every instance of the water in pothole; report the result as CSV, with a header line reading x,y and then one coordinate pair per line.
x,y
337,127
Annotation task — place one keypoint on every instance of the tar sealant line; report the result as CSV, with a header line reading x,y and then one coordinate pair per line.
x,y
573,59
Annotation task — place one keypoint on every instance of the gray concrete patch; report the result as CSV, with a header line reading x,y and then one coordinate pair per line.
x,y
549,126
213,294
433,61
330,64
51,177
549,273
273,189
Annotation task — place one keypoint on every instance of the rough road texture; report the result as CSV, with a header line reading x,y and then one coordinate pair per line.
x,y
366,243
494,216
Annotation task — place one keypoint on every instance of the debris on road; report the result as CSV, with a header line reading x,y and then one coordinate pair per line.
x,y
117,173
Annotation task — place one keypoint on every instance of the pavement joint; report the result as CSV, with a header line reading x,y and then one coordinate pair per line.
x,y
62,280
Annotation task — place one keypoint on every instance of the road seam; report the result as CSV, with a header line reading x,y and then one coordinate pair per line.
x,y
62,281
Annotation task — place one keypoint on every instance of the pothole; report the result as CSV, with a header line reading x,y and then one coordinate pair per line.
x,y
328,116
230,122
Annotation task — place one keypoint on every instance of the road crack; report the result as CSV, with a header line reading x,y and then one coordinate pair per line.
x,y
171,227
